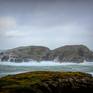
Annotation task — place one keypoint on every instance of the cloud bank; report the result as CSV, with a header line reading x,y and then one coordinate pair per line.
x,y
47,23
6,24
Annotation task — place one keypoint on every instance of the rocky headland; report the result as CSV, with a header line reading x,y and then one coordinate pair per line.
x,y
68,53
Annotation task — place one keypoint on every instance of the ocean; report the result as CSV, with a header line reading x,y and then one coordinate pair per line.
x,y
11,68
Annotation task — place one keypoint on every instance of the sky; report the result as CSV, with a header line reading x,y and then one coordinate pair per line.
x,y
50,23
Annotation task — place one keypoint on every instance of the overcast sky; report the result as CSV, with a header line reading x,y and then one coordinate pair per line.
x,y
51,23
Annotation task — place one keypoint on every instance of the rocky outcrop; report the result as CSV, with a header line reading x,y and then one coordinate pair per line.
x,y
47,82
26,53
69,53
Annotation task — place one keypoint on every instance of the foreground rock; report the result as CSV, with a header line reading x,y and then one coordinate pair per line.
x,y
69,53
47,82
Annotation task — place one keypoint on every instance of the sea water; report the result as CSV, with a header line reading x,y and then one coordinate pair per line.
x,y
8,68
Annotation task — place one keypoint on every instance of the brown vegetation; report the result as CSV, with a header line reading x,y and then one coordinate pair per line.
x,y
47,82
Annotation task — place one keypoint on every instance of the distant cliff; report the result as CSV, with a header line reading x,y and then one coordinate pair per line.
x,y
69,53
47,82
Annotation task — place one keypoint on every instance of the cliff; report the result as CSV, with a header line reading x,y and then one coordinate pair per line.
x,y
47,82
25,53
69,53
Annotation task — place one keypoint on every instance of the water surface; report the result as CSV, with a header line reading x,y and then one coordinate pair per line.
x,y
7,68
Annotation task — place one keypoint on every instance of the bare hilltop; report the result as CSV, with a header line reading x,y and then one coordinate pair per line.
x,y
68,53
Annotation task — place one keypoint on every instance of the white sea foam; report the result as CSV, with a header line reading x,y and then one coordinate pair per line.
x,y
86,63
43,63
34,63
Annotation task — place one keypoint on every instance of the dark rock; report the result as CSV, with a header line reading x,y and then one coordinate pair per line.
x,y
47,82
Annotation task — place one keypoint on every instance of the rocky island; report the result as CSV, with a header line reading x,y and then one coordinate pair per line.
x,y
68,53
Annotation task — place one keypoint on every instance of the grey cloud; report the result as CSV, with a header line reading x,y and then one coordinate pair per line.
x,y
6,24
47,22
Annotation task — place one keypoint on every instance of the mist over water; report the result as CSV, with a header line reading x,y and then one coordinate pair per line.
x,y
7,68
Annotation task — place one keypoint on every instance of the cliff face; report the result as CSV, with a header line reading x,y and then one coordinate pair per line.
x,y
47,82
70,53
27,53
